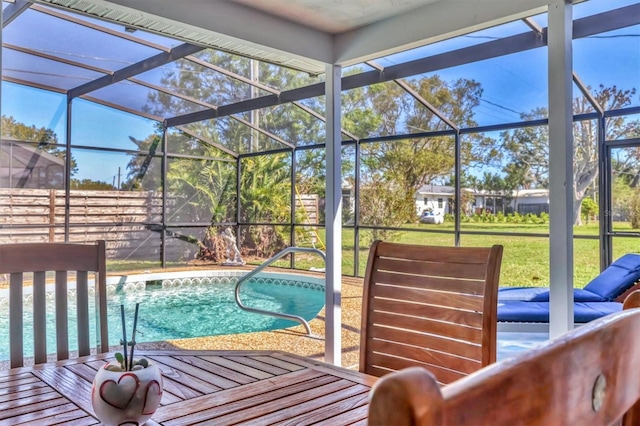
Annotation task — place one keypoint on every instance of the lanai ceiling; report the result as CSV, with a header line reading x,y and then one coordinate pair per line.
x,y
307,34
130,66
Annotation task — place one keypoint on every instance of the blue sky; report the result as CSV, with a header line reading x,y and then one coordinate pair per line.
x,y
512,84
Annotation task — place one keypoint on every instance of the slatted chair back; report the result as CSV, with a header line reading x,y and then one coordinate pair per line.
x,y
588,376
632,417
59,259
429,306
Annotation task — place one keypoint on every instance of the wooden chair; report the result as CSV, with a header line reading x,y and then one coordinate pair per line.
x,y
429,306
60,258
585,377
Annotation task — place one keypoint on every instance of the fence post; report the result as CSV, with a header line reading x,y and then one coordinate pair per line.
x,y
52,215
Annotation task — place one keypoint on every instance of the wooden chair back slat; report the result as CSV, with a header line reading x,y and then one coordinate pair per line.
x,y
59,259
50,257
39,317
455,330
437,298
16,322
429,306
82,312
431,283
632,416
585,377
396,340
437,313
62,321
473,271
436,254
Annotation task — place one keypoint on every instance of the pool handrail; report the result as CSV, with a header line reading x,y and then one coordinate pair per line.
x,y
264,265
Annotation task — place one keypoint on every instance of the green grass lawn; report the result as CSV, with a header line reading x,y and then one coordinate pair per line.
x,y
525,260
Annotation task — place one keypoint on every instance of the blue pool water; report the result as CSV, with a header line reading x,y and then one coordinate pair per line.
x,y
511,343
189,308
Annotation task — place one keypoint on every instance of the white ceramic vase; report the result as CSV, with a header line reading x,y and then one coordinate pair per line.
x,y
126,397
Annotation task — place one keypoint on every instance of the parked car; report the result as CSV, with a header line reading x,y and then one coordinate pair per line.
x,y
431,217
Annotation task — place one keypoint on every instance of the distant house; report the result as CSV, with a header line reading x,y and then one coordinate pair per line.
x,y
440,200
436,198
26,166
533,201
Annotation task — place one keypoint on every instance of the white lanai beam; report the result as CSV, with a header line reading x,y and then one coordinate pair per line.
x,y
333,217
560,167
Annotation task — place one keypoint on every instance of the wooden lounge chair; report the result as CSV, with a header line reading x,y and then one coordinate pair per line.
x,y
429,306
613,284
59,259
527,308
585,377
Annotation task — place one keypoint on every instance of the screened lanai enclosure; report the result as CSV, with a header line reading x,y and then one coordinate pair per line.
x,y
120,127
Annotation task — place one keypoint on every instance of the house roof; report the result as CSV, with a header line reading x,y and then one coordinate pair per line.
x,y
524,193
22,156
436,190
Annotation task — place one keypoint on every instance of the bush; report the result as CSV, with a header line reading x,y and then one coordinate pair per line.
x,y
588,209
635,210
500,217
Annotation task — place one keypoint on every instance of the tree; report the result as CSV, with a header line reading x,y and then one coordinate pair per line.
x,y
527,149
44,138
199,189
495,186
635,209
408,164
90,184
144,171
467,198
589,209
265,197
264,182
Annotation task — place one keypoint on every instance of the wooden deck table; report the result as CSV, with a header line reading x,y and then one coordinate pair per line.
x,y
212,387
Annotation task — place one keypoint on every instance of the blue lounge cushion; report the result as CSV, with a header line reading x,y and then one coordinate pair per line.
x,y
541,294
617,278
525,294
520,311
606,287
579,295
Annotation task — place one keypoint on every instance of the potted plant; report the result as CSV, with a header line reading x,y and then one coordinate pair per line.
x,y
128,390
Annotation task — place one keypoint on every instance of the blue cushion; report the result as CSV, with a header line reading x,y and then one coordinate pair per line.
x,y
611,283
520,311
579,295
541,294
617,278
520,293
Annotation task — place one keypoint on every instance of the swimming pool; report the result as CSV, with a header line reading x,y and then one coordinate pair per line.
x,y
186,304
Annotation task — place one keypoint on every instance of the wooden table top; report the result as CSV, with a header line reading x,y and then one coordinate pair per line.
x,y
215,387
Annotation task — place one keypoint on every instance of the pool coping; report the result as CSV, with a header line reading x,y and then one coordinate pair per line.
x,y
114,282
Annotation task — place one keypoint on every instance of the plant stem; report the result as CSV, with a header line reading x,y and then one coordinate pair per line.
x,y
124,339
133,334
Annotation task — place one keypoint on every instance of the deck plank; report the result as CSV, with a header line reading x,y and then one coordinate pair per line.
x,y
321,402
60,414
286,365
221,377
210,387
203,408
259,365
66,383
239,368
29,409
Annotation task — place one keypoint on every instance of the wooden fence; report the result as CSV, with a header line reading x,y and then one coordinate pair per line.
x,y
119,217
124,219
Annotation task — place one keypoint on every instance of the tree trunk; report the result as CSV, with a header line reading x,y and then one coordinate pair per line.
x,y
577,217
